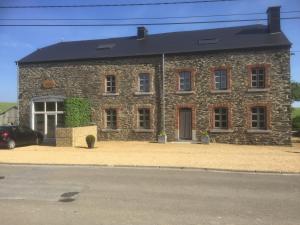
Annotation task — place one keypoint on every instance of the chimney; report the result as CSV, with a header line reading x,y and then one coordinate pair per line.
x,y
274,19
141,33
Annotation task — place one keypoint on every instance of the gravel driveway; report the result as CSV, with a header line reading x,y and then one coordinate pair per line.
x,y
133,153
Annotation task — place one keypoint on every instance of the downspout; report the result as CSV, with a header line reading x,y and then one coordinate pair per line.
x,y
163,93
18,93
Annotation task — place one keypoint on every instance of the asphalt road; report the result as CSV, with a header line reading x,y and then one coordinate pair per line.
x,y
50,195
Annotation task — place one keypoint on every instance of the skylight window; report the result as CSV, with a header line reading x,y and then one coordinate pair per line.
x,y
208,41
105,46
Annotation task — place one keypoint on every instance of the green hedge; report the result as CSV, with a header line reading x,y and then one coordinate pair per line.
x,y
77,112
296,123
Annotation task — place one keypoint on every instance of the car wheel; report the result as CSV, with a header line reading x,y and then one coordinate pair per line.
x,y
38,141
11,144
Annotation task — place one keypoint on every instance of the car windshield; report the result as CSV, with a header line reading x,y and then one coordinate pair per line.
x,y
3,128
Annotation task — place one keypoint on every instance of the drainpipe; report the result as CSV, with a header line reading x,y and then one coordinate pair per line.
x,y
163,93
18,93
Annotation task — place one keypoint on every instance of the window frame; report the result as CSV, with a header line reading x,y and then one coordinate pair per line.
x,y
258,119
267,81
111,85
110,123
220,88
185,72
144,90
258,75
146,123
221,120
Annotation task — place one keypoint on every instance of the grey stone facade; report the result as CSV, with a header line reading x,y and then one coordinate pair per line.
x,y
87,79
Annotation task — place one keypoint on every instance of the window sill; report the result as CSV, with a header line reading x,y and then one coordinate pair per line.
x,y
143,130
221,130
220,91
110,130
110,94
258,89
258,131
184,92
143,93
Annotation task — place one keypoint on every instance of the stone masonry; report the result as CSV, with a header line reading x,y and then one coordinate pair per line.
x,y
87,79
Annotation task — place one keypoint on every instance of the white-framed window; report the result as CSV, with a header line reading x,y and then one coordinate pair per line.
x,y
185,81
144,82
47,115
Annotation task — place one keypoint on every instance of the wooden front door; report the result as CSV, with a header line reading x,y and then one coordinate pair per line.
x,y
185,124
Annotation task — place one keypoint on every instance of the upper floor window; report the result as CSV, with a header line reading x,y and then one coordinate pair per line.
x,y
258,118
221,79
111,84
185,81
144,118
221,118
111,119
258,77
144,82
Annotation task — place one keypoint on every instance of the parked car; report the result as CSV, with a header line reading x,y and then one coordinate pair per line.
x,y
12,136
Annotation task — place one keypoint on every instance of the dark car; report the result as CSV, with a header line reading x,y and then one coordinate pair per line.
x,y
12,136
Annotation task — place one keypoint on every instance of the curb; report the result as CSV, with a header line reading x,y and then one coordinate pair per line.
x,y
159,167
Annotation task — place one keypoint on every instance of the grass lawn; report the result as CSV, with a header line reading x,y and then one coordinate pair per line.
x,y
296,112
6,105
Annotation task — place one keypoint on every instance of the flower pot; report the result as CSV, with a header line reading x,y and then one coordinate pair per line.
x,y
205,139
162,139
91,145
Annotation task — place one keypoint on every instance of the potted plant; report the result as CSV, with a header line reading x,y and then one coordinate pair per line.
x,y
90,140
205,137
162,137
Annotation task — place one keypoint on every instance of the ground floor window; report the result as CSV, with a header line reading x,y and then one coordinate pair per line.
x,y
144,118
111,118
221,118
258,117
46,116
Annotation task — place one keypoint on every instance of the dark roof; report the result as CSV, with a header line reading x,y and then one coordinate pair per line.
x,y
243,37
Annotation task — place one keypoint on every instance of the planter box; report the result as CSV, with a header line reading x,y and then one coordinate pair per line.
x,y
205,139
74,136
162,139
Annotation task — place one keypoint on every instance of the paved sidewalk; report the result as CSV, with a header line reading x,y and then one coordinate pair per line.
x,y
213,156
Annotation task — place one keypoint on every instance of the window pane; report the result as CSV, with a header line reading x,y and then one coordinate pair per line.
x,y
258,77
111,84
185,81
258,117
144,82
221,117
111,118
39,106
221,79
60,120
144,118
50,106
60,106
39,122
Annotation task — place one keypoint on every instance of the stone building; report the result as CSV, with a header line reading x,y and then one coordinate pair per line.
x,y
233,82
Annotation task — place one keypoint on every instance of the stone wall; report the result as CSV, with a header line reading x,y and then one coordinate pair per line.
x,y
75,136
86,79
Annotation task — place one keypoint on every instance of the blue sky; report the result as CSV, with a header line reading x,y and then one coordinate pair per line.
x,y
17,42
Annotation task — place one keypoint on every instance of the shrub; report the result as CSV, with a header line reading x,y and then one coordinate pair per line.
x,y
77,112
90,140
296,123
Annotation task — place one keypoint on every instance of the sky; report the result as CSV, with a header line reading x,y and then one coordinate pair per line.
x,y
17,42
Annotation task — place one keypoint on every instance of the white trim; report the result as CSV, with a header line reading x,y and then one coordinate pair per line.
x,y
45,99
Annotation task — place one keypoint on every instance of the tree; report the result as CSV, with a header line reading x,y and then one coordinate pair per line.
x,y
295,91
